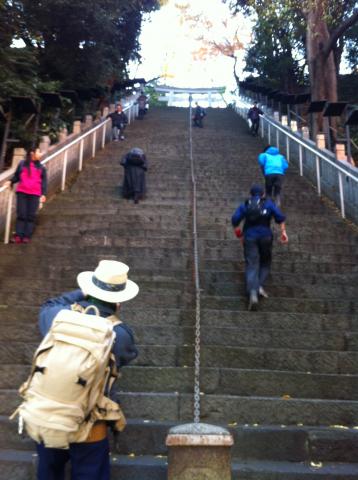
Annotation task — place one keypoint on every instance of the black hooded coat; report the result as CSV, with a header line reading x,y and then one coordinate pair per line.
x,y
135,165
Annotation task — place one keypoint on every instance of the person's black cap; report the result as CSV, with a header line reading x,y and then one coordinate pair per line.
x,y
256,190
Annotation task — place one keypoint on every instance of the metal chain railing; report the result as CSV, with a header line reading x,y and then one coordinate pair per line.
x,y
196,278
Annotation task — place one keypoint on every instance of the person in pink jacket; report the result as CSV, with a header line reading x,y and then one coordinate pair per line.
x,y
31,189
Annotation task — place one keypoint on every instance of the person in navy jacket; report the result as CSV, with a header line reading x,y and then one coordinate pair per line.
x,y
105,288
257,237
273,166
31,179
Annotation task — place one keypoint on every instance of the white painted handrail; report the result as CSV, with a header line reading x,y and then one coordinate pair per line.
x,y
242,107
131,108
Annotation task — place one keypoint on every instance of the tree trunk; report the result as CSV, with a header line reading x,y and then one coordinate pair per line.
x,y
322,68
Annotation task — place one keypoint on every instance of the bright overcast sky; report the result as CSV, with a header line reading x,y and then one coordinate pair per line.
x,y
168,45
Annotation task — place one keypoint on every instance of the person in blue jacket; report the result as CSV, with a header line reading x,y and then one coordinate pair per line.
x,y
273,166
257,212
106,288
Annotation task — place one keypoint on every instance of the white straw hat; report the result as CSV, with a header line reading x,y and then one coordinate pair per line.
x,y
109,282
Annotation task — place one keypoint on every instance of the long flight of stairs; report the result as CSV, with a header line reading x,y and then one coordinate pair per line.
x,y
284,379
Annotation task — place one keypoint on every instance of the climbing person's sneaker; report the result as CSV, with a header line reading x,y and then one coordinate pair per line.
x,y
263,293
253,301
16,239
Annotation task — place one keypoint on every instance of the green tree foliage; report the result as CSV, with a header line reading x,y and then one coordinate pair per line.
x,y
79,43
277,53
318,28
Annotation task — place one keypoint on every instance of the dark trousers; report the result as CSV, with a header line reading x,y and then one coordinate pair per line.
x,y
89,461
273,184
255,126
198,121
26,208
258,256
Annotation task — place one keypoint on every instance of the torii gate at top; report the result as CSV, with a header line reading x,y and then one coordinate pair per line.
x,y
172,91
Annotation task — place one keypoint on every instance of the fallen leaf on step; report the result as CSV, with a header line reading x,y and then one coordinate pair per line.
x,y
316,464
339,426
233,424
131,455
286,397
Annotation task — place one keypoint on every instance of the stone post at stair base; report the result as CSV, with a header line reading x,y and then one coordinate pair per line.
x,y
321,141
18,155
199,451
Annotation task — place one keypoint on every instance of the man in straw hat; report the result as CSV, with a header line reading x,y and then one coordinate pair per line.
x,y
105,288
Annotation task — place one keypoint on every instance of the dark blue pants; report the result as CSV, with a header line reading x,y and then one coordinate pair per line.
x,y
255,126
258,255
89,461
26,208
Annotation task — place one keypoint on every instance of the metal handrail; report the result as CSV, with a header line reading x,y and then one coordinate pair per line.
x,y
132,107
197,354
303,144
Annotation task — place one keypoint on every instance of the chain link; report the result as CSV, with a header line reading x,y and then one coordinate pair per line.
x,y
197,279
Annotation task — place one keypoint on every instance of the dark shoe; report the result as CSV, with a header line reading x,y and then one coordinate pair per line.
x,y
16,239
263,293
26,240
253,301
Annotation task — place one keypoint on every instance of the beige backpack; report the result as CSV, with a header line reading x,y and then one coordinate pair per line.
x,y
72,370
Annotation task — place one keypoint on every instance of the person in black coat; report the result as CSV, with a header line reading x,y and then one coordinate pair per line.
x,y
135,165
119,122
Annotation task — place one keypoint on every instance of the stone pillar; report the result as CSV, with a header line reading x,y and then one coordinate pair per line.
x,y
77,127
294,125
341,152
210,99
276,116
305,133
199,451
284,120
88,121
44,144
62,135
321,141
18,155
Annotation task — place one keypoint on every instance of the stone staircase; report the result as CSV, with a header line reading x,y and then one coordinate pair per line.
x,y
283,379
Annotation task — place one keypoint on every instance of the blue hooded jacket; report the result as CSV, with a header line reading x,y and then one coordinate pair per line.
x,y
272,162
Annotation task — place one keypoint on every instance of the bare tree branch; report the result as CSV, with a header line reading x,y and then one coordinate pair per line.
x,y
339,31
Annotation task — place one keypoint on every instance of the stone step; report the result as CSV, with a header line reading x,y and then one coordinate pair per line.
x,y
12,317
321,290
224,408
260,442
19,465
304,305
246,383
299,360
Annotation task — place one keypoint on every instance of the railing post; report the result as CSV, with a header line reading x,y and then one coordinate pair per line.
x,y
341,194
262,128
64,171
269,133
80,163
94,143
104,134
288,148
277,138
318,173
8,217
129,116
301,159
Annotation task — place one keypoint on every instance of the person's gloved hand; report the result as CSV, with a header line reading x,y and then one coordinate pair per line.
x,y
238,232
284,237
